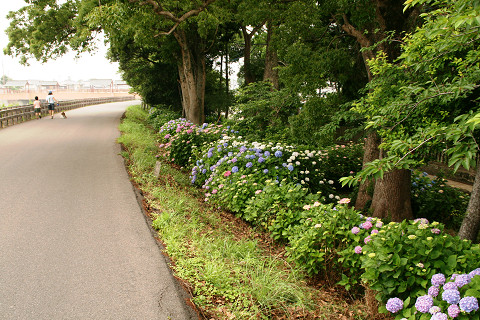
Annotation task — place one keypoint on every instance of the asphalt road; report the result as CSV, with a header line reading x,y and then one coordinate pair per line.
x,y
74,243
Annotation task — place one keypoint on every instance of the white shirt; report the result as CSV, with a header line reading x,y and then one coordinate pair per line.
x,y
50,98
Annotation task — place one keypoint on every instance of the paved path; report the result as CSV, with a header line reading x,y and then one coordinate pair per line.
x,y
74,243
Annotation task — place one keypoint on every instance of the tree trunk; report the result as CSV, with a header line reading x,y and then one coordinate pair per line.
x,y
391,198
271,59
192,76
471,223
247,51
371,152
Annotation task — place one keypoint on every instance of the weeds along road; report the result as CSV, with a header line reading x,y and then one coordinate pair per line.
x,y
74,243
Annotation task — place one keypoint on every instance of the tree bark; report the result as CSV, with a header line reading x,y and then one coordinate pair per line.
x,y
192,77
371,152
391,198
471,223
271,59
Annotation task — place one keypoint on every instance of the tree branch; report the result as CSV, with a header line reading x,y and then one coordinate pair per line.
x,y
158,9
409,152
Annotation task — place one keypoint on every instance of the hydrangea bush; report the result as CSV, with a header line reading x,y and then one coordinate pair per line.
x,y
448,297
402,258
179,137
325,233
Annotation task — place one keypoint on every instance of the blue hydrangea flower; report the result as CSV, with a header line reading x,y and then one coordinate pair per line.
x,y
204,171
394,305
438,279
290,167
469,304
261,159
424,303
209,154
278,153
266,154
234,169
249,165
265,171
451,296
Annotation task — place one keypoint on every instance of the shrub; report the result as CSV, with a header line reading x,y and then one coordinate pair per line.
x,y
454,297
403,257
160,115
278,207
181,137
319,243
435,200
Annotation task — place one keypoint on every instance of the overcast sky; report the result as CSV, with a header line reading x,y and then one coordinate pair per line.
x,y
89,66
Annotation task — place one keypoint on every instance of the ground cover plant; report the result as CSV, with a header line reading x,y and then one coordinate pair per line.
x,y
231,269
285,190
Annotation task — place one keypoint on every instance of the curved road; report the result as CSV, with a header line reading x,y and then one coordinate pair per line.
x,y
74,243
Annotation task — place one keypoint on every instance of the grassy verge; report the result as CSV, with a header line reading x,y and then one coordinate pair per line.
x,y
231,270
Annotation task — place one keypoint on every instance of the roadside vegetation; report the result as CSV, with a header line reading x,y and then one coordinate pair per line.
x,y
257,229
232,270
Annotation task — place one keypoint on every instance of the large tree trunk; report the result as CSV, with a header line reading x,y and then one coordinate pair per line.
x,y
391,198
271,59
371,152
247,51
192,77
471,223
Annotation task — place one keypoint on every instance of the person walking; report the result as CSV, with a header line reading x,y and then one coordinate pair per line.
x,y
51,103
37,107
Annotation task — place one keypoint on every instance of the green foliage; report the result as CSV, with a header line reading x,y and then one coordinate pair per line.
x,y
435,200
262,112
317,243
161,114
277,207
402,257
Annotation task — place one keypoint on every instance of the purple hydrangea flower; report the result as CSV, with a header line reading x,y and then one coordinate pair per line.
x,y
204,171
453,311
249,165
234,169
358,249
474,273
436,230
278,153
438,279
265,171
468,304
355,230
266,154
424,303
261,159
439,316
394,305
433,291
450,286
462,279
451,296
367,239
290,167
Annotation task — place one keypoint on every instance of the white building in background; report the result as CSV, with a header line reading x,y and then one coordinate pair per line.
x,y
92,85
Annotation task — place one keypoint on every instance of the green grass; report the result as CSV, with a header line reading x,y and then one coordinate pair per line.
x,y
229,273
